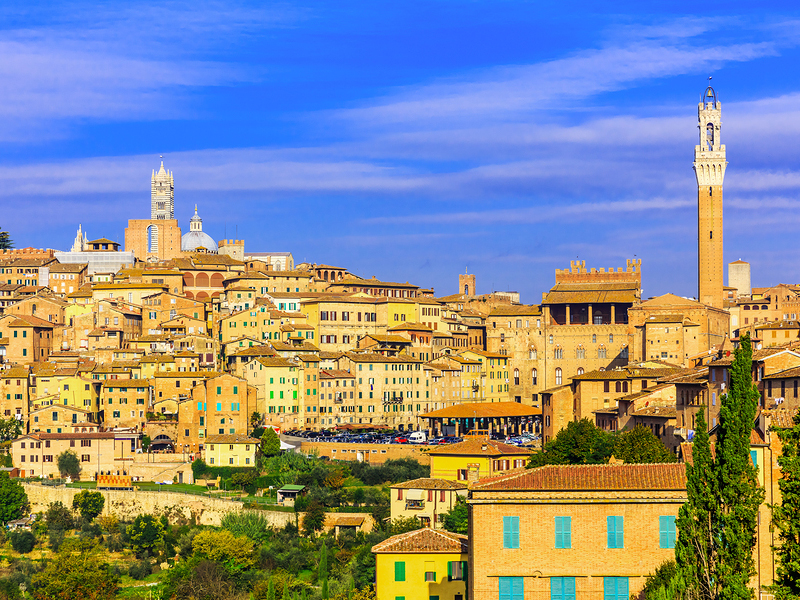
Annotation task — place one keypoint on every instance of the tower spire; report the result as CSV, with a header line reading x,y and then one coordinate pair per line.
x,y
709,168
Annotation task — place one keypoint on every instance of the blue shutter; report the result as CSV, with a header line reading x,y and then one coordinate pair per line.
x,y
666,531
219,406
515,532
616,532
199,406
569,588
517,588
510,532
562,588
505,588
754,457
567,528
615,588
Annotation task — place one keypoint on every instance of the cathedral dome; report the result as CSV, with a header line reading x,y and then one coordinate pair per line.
x,y
196,238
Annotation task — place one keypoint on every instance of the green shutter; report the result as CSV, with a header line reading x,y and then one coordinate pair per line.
x,y
449,570
399,571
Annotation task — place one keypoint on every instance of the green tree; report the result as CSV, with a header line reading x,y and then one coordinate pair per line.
x,y
69,464
314,518
13,499
88,504
255,419
6,243
786,515
457,518
77,572
146,534
640,445
146,443
270,443
404,525
323,562
580,443
739,492
717,524
224,547
58,517
10,429
22,541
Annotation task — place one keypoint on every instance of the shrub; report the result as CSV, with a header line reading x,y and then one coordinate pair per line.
x,y
55,538
22,541
140,569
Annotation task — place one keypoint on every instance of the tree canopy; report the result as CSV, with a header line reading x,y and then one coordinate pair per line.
x,y
13,499
786,515
457,519
78,572
146,533
89,504
270,442
69,464
6,243
579,443
640,445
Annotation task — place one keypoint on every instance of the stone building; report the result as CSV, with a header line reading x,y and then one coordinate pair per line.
x,y
159,237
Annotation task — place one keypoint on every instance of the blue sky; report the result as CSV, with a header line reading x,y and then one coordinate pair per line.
x,y
409,140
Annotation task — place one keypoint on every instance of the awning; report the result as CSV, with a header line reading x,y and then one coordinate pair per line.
x,y
415,495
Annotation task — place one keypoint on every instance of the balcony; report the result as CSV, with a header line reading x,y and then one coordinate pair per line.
x,y
415,504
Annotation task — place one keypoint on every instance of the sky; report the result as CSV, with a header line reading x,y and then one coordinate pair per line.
x,y
409,140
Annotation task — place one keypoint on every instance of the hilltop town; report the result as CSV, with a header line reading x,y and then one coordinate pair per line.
x,y
163,361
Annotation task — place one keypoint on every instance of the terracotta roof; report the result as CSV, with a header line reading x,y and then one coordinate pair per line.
x,y
306,346
389,339
757,355
666,412
667,476
275,361
465,410
430,483
479,446
369,357
781,418
516,310
335,374
255,351
233,438
29,321
793,372
424,541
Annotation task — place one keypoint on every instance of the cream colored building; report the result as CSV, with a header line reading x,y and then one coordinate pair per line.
x,y
425,499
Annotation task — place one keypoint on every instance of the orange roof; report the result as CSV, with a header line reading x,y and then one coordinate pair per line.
x,y
425,541
430,483
488,410
479,446
659,476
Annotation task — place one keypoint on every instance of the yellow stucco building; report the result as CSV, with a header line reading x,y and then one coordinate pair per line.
x,y
425,564
231,450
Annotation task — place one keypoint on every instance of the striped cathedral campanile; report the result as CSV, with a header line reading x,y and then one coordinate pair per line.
x,y
709,167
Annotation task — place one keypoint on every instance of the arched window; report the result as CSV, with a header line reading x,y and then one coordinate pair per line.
x,y
558,352
33,310
617,387
558,376
625,386
516,376
580,370
747,307
551,338
534,376
594,338
610,338
580,352
601,352
502,337
532,354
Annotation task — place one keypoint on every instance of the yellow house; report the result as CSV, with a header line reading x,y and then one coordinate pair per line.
x,y
424,564
426,499
494,374
476,457
231,450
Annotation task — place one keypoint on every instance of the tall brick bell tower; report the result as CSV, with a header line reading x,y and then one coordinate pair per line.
x,y
709,167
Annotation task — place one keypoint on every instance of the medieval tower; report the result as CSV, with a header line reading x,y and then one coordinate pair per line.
x,y
709,167
162,195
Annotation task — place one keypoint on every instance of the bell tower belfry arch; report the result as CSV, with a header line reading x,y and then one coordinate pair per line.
x,y
709,168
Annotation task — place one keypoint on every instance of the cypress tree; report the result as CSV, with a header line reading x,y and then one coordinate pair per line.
x,y
717,524
323,562
325,589
737,479
786,516
696,547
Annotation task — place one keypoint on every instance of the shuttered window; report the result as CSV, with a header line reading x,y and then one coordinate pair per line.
x,y
399,571
510,532
562,588
666,531
616,532
511,588
563,532
615,588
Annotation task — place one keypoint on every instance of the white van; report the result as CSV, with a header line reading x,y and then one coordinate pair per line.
x,y
418,437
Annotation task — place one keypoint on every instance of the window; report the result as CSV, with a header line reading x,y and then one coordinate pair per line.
x,y
510,532
399,570
616,532
430,575
456,570
754,457
558,353
558,376
615,588
511,588
563,532
551,338
534,376
594,338
666,531
610,338
562,588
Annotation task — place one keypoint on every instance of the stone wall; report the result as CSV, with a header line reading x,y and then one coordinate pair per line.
x,y
371,453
